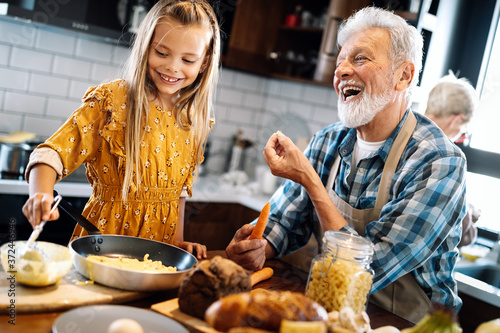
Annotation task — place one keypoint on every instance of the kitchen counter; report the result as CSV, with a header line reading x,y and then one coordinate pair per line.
x,y
206,189
69,189
286,277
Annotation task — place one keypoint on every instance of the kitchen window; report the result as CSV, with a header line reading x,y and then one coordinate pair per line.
x,y
483,150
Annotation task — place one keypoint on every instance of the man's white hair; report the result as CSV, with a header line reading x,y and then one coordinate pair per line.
x,y
406,42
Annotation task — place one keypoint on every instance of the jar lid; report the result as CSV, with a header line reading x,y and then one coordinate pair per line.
x,y
349,245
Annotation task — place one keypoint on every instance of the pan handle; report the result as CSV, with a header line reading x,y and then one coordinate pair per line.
x,y
71,211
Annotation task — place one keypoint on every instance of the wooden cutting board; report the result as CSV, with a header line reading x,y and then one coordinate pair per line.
x,y
67,295
171,309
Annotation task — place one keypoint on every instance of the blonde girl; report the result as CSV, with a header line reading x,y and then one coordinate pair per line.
x,y
141,138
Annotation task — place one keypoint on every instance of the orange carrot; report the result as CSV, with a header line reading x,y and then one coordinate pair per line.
x,y
261,275
258,231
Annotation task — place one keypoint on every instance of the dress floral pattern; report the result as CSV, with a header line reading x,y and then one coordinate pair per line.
x,y
95,135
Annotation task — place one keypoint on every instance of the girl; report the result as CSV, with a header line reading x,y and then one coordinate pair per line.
x,y
141,137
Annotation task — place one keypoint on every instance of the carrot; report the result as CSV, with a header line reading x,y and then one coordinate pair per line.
x,y
261,275
258,231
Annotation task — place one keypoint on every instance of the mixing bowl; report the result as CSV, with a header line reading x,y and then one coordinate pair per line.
x,y
48,265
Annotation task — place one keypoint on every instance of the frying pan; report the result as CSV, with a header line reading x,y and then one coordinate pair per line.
x,y
125,246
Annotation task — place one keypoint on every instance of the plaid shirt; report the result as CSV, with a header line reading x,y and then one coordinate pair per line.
x,y
418,228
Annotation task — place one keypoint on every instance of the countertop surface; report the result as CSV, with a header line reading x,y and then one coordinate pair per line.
x,y
286,277
206,189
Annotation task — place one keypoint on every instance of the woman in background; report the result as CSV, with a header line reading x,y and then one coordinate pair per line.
x,y
451,104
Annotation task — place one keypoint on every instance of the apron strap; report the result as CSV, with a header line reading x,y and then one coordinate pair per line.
x,y
393,159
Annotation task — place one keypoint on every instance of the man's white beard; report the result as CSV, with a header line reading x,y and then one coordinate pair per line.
x,y
362,111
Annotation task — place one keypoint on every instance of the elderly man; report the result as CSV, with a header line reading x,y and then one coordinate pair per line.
x,y
384,172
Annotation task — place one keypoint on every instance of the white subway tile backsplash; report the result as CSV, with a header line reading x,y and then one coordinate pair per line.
x,y
119,55
316,94
102,72
325,115
248,81
13,79
332,98
241,115
63,108
230,96
17,33
31,60
43,127
78,88
315,127
24,103
45,84
273,87
224,129
221,111
94,50
4,54
301,109
226,77
56,42
10,123
275,104
292,90
72,67
254,100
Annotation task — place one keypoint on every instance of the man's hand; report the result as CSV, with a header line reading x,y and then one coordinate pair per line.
x,y
286,160
249,253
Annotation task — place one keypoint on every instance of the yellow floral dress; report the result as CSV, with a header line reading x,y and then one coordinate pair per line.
x,y
95,135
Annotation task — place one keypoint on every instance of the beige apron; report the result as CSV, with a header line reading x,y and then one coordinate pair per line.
x,y
403,297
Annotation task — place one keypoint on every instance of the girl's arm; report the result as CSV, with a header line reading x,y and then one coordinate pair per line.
x,y
41,195
200,249
179,234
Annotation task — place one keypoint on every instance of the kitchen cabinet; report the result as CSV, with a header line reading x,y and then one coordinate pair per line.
x,y
14,224
214,224
475,312
266,38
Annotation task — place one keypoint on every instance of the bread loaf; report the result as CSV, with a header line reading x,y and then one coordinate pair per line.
x,y
209,281
262,309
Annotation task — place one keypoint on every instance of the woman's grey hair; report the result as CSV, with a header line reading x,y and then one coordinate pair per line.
x,y
406,41
452,96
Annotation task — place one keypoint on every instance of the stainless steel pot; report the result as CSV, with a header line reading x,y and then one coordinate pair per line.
x,y
130,247
14,157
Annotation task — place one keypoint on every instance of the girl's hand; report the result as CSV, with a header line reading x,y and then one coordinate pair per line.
x,y
37,208
201,250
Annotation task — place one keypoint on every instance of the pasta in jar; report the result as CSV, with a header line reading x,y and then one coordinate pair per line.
x,y
341,276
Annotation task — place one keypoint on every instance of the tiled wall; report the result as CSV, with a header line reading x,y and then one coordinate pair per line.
x,y
45,71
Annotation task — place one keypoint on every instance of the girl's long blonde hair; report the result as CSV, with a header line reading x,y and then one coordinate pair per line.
x,y
195,101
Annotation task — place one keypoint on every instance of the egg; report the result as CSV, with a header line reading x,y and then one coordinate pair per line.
x,y
125,325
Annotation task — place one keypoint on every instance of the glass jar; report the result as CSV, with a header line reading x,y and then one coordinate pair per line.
x,y
341,275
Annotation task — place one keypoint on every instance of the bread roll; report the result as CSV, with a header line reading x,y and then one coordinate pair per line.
x,y
262,309
209,281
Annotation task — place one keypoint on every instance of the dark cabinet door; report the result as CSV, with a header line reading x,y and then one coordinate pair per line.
x,y
214,224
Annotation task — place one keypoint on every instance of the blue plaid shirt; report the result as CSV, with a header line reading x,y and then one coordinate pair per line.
x,y
418,228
